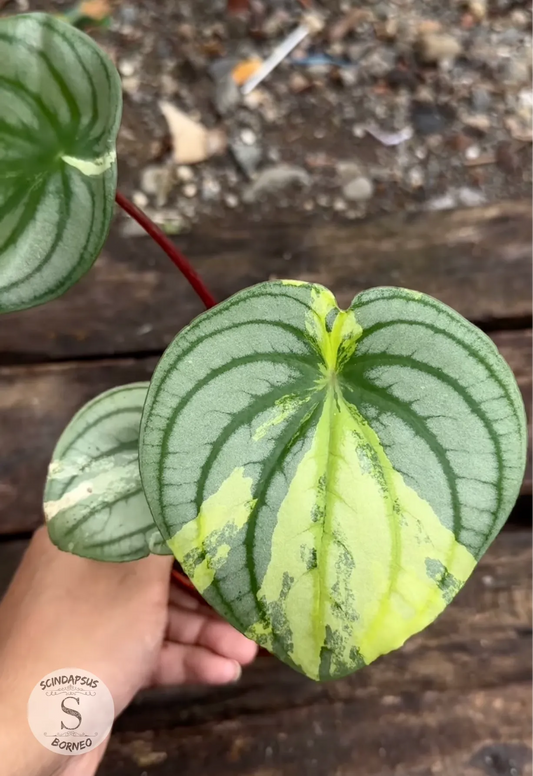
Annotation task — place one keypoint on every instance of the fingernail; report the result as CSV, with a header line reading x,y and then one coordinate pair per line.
x,y
238,671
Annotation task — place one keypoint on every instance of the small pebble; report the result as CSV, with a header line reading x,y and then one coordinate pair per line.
x,y
516,71
131,85
472,152
525,100
470,197
139,199
248,137
184,173
127,67
247,157
480,122
348,171
339,205
478,9
358,190
210,190
428,118
359,130
437,48
190,190
520,19
416,177
481,99
231,200
227,95
274,179
298,83
445,202
157,181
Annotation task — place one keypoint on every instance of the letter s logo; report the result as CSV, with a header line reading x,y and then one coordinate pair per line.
x,y
72,712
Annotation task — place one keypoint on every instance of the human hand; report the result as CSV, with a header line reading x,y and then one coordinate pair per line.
x,y
122,622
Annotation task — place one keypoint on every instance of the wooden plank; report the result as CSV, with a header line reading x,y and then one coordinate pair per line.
x,y
452,734
455,700
476,260
37,401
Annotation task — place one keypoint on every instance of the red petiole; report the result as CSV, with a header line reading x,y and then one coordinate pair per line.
x,y
168,246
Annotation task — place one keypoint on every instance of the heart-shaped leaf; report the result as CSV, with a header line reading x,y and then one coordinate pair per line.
x,y
94,502
60,108
329,478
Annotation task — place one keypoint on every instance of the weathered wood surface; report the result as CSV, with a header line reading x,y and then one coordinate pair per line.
x,y
476,260
456,700
37,401
453,733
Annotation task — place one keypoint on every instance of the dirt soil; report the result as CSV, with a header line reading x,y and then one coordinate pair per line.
x,y
396,105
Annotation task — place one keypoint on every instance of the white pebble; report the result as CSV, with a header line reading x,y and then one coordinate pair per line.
x,y
127,67
231,200
139,199
248,137
184,173
473,152
190,190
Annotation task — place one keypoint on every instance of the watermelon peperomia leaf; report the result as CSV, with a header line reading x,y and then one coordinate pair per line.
x,y
328,478
60,108
94,502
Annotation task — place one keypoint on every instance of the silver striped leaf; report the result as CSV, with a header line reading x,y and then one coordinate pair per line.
x,y
94,503
60,109
328,478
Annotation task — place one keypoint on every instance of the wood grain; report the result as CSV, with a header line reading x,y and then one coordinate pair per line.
x,y
37,402
455,700
452,734
476,260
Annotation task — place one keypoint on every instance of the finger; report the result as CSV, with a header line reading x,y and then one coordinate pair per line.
x,y
186,664
188,627
181,598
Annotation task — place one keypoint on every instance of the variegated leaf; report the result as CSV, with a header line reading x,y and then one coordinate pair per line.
x,y
60,108
327,478
94,502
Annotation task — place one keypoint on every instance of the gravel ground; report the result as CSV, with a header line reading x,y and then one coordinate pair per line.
x,y
395,105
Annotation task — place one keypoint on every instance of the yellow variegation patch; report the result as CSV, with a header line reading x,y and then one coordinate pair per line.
x,y
359,563
204,543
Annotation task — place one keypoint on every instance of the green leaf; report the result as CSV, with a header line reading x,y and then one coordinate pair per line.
x,y
60,108
94,502
327,478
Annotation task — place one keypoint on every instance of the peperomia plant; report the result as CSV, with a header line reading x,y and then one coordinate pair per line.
x,y
327,478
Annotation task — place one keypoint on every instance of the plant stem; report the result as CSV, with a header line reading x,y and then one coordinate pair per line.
x,y
168,246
